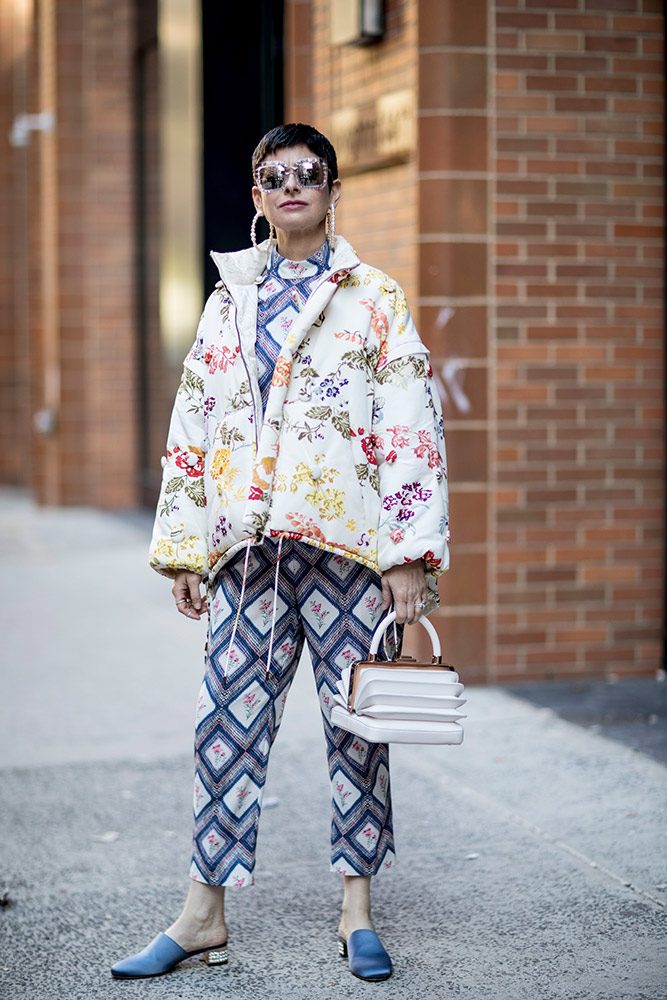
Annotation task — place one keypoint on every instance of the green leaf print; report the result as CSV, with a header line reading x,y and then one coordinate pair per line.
x,y
361,471
341,422
401,371
319,412
196,493
175,484
356,359
229,434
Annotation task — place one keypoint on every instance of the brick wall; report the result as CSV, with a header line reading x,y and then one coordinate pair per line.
x,y
530,242
577,337
378,210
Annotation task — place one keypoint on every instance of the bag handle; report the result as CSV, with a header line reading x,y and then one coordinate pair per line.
x,y
384,625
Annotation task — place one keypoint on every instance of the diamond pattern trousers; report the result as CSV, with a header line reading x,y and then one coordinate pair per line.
x,y
333,604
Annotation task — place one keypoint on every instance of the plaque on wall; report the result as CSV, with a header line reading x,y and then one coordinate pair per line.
x,y
376,134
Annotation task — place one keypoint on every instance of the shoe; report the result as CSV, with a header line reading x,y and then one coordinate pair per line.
x,y
161,956
366,957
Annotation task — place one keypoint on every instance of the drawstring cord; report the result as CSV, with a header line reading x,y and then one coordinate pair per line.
x,y
238,611
275,609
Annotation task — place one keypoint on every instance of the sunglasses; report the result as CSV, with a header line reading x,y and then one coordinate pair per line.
x,y
311,172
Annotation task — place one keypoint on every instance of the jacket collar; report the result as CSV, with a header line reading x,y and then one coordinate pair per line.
x,y
244,267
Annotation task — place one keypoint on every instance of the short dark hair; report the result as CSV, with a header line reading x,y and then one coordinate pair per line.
x,y
297,134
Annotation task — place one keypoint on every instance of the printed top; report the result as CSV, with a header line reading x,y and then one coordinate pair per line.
x,y
286,287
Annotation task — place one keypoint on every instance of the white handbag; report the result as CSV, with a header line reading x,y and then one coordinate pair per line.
x,y
401,700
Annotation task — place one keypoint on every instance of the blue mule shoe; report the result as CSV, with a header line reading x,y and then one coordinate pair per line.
x,y
161,956
365,955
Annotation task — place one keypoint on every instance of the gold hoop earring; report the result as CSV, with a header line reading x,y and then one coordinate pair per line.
x,y
331,226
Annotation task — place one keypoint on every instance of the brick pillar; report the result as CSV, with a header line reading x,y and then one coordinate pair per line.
x,y
16,34
454,238
79,184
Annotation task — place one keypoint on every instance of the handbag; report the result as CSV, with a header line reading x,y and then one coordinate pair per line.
x,y
400,700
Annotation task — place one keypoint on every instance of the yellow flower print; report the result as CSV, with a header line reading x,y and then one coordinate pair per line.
x,y
315,475
225,475
173,554
329,502
282,371
221,462
351,525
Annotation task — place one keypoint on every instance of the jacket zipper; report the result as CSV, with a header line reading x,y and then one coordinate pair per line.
x,y
250,385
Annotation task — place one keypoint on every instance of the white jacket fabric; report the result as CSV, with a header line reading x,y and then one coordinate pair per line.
x,y
349,455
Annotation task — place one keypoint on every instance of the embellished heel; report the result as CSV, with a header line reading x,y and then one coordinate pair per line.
x,y
161,956
216,956
342,947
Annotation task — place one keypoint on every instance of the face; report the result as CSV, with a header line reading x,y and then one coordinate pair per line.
x,y
295,208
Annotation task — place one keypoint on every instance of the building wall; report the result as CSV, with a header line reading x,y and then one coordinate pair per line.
x,y
524,224
526,229
578,348
72,286
377,213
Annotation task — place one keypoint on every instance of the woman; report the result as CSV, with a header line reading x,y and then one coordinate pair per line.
x,y
305,483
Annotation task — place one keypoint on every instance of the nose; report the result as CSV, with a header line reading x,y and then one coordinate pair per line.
x,y
291,181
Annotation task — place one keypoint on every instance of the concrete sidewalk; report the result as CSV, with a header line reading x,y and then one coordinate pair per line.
x,y
531,859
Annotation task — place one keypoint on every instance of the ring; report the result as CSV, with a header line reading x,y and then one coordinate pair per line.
x,y
420,604
189,613
182,601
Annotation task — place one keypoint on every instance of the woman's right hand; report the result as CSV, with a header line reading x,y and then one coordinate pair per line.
x,y
189,600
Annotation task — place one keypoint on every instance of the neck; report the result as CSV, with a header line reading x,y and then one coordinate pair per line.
x,y
300,245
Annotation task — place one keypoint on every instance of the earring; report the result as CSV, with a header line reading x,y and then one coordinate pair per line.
x,y
331,226
253,228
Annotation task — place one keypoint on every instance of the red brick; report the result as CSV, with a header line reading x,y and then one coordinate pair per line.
x,y
581,22
553,41
610,43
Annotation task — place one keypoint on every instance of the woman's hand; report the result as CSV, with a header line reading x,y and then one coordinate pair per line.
x,y
406,585
189,600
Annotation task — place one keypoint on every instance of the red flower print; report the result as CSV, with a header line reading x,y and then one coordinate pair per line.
x,y
307,526
427,447
400,437
191,462
368,445
256,493
391,457
339,275
220,358
379,321
397,535
431,560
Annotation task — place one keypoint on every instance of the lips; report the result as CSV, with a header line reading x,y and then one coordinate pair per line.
x,y
293,204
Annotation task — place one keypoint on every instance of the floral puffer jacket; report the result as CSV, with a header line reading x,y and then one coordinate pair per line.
x,y
349,455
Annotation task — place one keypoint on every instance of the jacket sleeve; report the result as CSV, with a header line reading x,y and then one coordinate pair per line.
x,y
180,536
409,446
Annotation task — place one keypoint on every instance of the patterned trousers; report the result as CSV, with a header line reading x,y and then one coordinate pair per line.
x,y
333,604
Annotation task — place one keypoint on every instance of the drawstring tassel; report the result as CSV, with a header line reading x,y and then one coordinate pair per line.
x,y
275,609
238,611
